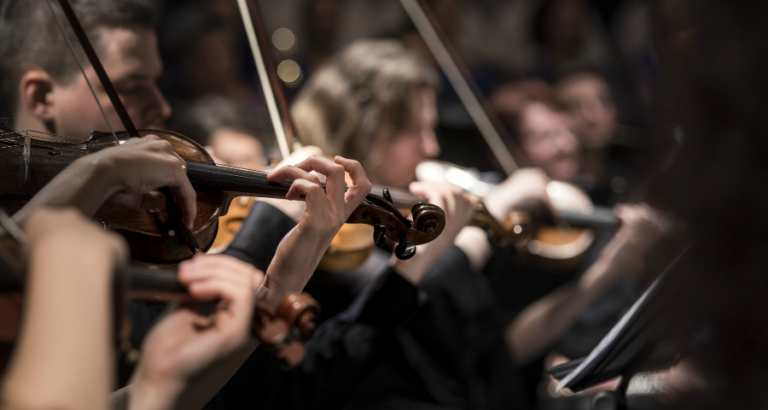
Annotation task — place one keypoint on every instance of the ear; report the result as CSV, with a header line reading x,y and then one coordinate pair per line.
x,y
35,94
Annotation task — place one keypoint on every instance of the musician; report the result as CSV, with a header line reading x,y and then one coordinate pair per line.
x,y
230,133
41,83
570,131
127,43
376,100
610,167
63,358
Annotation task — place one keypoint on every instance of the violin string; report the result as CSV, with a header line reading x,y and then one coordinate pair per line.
x,y
256,175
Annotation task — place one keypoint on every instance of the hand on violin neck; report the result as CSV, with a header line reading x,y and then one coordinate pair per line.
x,y
184,343
326,211
139,167
459,207
641,228
525,188
328,207
300,155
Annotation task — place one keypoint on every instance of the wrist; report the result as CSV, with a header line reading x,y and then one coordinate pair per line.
x,y
102,177
294,263
154,394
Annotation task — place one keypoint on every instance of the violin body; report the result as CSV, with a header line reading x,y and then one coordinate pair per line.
x,y
535,240
49,157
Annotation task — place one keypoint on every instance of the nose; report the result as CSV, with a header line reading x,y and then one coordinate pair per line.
x,y
429,145
159,110
566,141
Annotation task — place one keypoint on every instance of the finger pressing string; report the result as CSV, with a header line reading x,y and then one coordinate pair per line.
x,y
334,183
292,173
361,186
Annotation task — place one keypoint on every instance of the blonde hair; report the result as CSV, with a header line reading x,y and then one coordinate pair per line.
x,y
360,99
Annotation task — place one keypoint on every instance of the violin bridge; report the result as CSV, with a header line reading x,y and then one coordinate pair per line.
x,y
27,155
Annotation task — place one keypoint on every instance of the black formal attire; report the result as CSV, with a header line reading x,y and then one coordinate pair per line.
x,y
343,350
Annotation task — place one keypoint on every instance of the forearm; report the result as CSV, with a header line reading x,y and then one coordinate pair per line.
x,y
542,323
63,359
202,388
86,184
294,263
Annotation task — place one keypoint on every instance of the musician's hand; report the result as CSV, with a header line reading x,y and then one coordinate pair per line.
x,y
67,327
525,188
128,174
73,237
641,227
459,207
327,210
184,343
300,155
139,167
294,209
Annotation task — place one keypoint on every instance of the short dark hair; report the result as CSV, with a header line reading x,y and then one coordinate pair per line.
x,y
201,118
31,38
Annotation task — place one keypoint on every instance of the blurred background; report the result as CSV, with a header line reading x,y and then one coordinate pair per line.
x,y
508,46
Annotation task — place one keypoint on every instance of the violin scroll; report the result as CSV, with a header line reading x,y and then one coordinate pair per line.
x,y
283,333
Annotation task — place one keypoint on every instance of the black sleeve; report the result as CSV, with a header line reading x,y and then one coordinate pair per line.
x,y
261,233
342,351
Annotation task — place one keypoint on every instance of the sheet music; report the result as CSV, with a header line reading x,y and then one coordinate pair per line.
x,y
601,350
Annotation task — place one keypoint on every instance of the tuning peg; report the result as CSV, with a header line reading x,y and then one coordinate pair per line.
x,y
292,353
387,195
379,233
405,250
274,332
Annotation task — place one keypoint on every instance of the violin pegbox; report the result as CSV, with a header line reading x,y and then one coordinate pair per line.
x,y
283,333
393,231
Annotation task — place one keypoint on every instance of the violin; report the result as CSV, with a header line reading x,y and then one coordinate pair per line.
x,y
215,185
282,331
535,236
554,245
26,167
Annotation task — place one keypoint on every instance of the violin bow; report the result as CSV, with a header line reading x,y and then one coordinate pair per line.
x,y
270,82
168,229
458,75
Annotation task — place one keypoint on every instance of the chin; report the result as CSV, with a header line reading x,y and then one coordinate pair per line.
x,y
565,172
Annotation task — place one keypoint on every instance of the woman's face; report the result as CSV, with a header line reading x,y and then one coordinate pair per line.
x,y
412,145
548,143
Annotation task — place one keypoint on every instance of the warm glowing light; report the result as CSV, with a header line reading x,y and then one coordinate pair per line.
x,y
283,39
289,71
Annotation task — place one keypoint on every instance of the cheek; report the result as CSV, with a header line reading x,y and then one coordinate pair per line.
x,y
539,154
399,162
77,116
406,154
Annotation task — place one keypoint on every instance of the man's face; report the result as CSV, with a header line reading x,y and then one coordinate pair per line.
x,y
548,143
587,101
132,62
